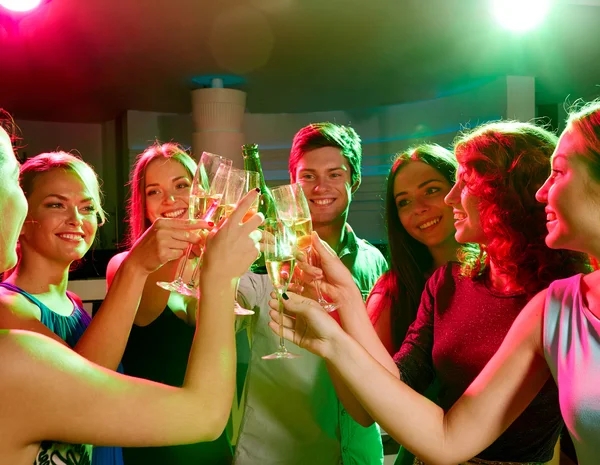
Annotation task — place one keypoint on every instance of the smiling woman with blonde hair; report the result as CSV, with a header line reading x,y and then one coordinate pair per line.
x,y
50,392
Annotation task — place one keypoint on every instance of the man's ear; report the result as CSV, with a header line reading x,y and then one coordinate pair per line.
x,y
355,186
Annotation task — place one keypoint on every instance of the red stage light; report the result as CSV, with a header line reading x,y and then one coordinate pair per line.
x,y
20,5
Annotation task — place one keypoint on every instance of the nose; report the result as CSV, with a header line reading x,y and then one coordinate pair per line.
x,y
75,218
452,196
168,198
321,184
542,194
420,206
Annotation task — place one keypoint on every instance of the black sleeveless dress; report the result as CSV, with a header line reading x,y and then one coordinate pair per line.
x,y
159,352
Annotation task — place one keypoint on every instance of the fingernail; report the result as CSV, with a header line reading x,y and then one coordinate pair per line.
x,y
257,189
211,224
285,296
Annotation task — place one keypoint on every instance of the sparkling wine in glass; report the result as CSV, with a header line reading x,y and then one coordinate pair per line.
x,y
206,192
233,193
293,207
250,181
280,245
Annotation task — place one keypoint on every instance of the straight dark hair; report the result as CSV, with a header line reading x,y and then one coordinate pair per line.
x,y
410,260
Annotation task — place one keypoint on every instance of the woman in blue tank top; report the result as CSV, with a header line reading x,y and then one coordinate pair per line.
x,y
64,213
49,391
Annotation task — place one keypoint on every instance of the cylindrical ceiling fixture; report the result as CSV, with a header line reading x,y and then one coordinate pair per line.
x,y
218,116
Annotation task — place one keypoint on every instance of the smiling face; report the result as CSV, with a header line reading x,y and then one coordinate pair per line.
x,y
465,207
167,189
62,219
419,192
13,206
572,199
325,177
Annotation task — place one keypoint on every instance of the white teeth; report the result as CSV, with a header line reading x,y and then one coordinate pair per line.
x,y
429,223
323,202
459,216
550,216
72,237
174,214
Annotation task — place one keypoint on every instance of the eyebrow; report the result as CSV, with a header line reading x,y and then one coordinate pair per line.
x,y
172,180
310,170
423,184
66,199
557,156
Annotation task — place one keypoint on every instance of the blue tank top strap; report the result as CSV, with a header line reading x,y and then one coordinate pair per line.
x,y
69,328
34,300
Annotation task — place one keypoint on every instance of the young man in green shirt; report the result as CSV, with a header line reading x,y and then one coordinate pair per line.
x,y
292,414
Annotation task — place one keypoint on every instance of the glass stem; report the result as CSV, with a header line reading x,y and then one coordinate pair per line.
x,y
320,298
181,267
280,308
196,273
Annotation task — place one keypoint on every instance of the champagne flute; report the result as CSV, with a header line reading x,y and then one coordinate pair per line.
x,y
251,182
237,187
293,207
280,245
234,191
208,186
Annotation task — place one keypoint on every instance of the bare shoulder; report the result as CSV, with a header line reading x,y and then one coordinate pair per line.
x,y
374,305
113,265
18,313
16,305
380,315
530,321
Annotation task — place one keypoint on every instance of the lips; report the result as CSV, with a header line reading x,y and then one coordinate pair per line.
x,y
174,213
71,236
429,223
459,216
323,202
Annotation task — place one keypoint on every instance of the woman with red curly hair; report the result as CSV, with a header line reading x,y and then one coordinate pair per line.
x,y
468,308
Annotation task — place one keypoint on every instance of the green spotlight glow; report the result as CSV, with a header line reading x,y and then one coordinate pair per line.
x,y
520,15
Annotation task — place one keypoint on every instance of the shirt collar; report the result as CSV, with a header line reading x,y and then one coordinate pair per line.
x,y
349,244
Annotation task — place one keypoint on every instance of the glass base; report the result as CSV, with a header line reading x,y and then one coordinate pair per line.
x,y
328,306
282,352
239,310
178,286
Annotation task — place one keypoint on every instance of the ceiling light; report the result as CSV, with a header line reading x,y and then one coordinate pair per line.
x,y
520,15
20,5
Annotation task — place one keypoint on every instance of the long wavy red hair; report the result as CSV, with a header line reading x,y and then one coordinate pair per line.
x,y
505,163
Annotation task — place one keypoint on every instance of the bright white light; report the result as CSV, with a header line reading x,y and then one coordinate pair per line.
x,y
520,15
20,5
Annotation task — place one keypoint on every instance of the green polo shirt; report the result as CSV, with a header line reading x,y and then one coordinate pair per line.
x,y
292,414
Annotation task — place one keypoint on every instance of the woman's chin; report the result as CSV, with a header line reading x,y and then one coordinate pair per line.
x,y
555,241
